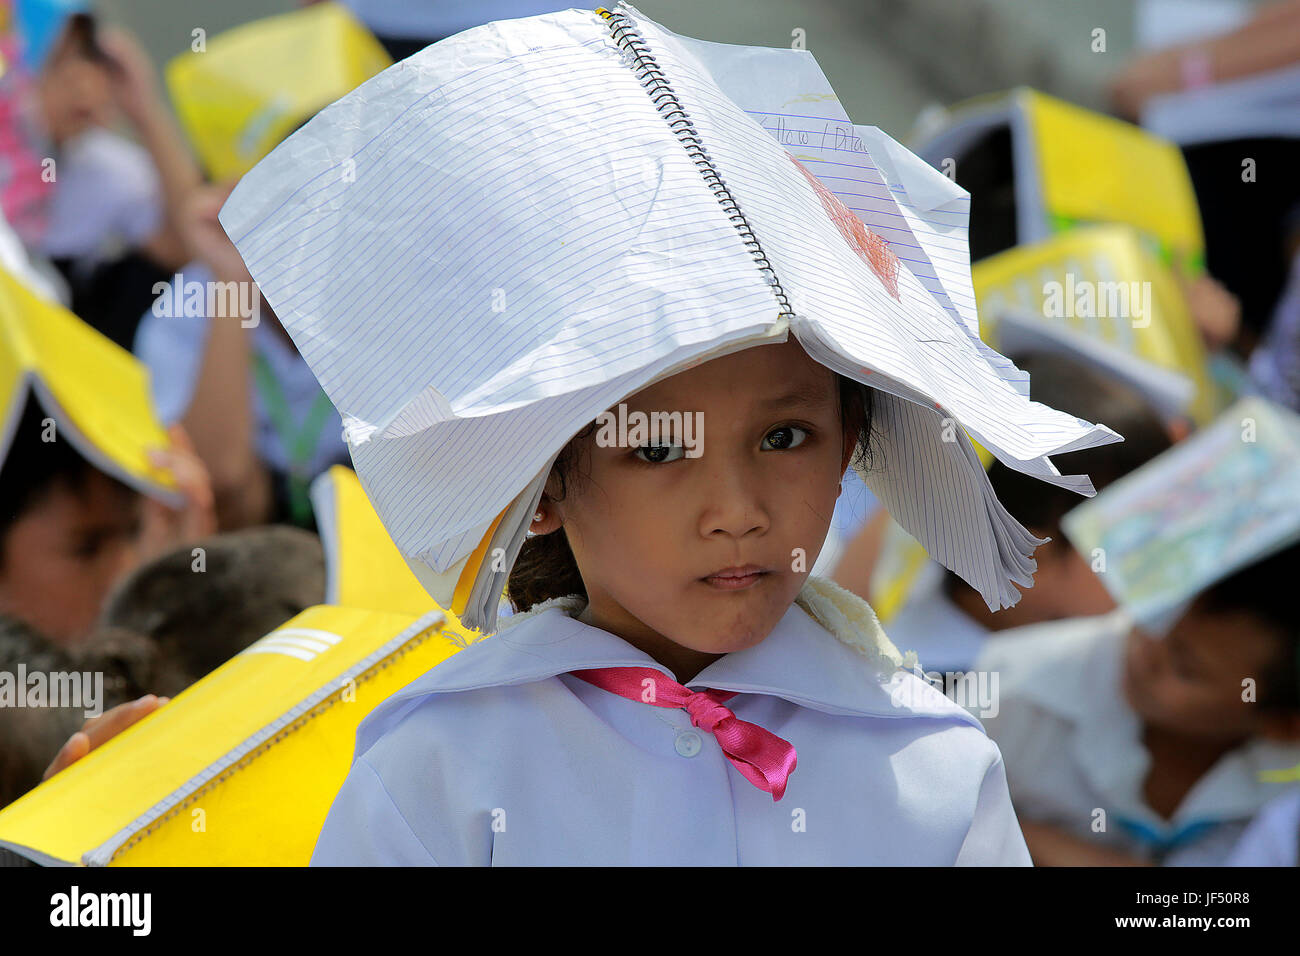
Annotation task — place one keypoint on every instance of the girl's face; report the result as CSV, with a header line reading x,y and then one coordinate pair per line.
x,y
651,529
1191,680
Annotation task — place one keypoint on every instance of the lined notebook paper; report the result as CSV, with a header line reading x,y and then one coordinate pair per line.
x,y
485,246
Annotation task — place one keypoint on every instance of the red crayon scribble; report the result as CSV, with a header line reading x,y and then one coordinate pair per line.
x,y
872,248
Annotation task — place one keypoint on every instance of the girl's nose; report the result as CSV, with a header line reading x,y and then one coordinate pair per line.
x,y
735,502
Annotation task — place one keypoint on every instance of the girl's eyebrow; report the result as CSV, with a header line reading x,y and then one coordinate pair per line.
x,y
813,396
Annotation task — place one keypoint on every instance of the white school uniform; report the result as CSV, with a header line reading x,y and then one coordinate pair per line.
x,y
498,756
1073,746
1273,837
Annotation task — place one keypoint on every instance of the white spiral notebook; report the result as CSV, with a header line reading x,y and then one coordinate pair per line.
x,y
486,245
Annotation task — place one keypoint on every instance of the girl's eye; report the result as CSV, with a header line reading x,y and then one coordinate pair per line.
x,y
658,454
785,437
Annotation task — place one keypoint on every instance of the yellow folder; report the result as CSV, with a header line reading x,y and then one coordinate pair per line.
x,y
249,87
96,392
1073,166
363,567
1098,169
1091,280
240,768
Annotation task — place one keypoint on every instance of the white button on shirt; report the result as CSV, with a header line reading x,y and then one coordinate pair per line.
x,y
688,743
502,733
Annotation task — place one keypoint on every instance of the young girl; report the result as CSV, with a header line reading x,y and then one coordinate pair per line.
x,y
562,739
490,246
1124,749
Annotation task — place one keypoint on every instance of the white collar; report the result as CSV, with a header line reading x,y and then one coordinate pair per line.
x,y
827,653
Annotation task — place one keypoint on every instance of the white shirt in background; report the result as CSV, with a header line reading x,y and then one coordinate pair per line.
x,y
1072,747
1273,837
107,198
172,348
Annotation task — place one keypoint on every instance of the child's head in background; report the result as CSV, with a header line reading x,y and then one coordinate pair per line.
x,y
1064,584
1193,679
68,531
640,533
199,616
128,665
74,84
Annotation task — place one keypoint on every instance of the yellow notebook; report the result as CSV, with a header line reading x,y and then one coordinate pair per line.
x,y
240,768
1103,286
249,87
363,567
1072,166
96,392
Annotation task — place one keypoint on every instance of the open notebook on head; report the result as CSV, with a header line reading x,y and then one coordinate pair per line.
x,y
485,246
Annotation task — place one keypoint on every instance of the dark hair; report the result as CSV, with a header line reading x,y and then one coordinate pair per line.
x,y
545,567
986,170
34,467
30,737
252,581
1265,590
1085,392
80,34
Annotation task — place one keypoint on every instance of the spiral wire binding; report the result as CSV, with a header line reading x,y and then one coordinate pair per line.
x,y
665,101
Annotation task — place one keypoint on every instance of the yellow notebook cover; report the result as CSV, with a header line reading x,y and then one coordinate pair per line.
x,y
363,567
248,88
1102,282
96,392
240,768
1072,166
1098,169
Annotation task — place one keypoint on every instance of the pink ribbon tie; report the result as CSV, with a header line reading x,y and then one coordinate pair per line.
x,y
763,758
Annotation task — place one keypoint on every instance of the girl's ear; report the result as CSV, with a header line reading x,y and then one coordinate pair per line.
x,y
547,518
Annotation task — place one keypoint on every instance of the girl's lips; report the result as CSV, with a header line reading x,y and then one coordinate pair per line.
x,y
732,581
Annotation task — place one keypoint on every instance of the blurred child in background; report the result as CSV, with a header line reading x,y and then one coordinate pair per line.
x,y
167,624
69,532
257,416
1128,749
132,669
199,615
112,222
946,622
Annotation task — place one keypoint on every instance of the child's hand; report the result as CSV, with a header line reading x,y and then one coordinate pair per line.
x,y
1051,846
1215,310
206,237
164,528
95,731
133,81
